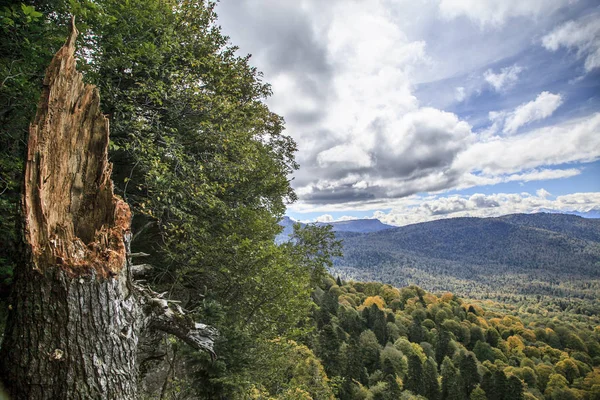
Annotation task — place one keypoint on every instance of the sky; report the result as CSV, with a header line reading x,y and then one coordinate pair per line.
x,y
415,110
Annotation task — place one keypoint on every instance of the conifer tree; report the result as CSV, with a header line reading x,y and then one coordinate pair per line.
x,y
487,383
442,348
468,372
514,389
500,387
328,350
478,394
430,380
414,380
451,383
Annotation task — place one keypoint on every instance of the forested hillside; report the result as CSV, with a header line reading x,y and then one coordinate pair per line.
x,y
379,342
552,258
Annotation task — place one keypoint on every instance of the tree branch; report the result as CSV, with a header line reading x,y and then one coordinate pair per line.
x,y
169,317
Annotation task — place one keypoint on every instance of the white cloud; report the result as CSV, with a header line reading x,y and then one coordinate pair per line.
x,y
503,80
582,35
574,141
481,205
460,94
542,107
543,193
345,76
521,158
347,154
325,218
496,12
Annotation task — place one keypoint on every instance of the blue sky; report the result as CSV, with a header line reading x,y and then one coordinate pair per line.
x,y
410,111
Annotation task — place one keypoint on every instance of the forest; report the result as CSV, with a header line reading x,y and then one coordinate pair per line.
x,y
546,261
196,299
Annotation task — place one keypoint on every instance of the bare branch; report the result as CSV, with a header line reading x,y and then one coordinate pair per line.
x,y
140,270
169,317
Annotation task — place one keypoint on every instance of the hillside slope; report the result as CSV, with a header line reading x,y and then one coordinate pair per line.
x,y
547,254
354,225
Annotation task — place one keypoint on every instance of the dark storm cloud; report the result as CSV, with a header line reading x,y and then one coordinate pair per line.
x,y
341,194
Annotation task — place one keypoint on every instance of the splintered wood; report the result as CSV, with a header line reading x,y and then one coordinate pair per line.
x,y
72,217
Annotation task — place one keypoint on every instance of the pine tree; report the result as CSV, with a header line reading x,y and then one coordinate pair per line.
x,y
500,387
451,383
416,333
468,372
330,303
514,389
442,348
492,337
430,380
393,391
380,325
328,350
487,384
478,394
354,369
414,380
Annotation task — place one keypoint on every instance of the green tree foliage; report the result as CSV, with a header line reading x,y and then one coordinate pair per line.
x,y
430,380
514,389
28,41
370,350
414,380
452,388
329,350
518,367
468,372
477,394
317,246
444,346
197,154
286,366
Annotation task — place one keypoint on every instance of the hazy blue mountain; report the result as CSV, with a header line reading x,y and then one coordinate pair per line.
x,y
358,225
588,214
355,225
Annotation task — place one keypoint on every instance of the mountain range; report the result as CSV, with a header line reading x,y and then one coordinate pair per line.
x,y
542,254
355,225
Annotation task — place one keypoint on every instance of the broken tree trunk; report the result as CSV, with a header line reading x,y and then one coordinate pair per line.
x,y
76,318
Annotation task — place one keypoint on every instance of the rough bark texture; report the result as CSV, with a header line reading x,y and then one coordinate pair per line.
x,y
71,338
76,318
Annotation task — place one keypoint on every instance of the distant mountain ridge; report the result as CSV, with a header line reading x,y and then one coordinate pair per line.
x,y
491,252
354,225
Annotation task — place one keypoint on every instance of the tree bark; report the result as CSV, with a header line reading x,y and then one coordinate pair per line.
x,y
76,317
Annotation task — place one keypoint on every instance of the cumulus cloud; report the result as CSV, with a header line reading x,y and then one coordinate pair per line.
x,y
582,35
418,209
520,158
343,76
346,155
504,79
325,218
496,12
574,141
542,107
